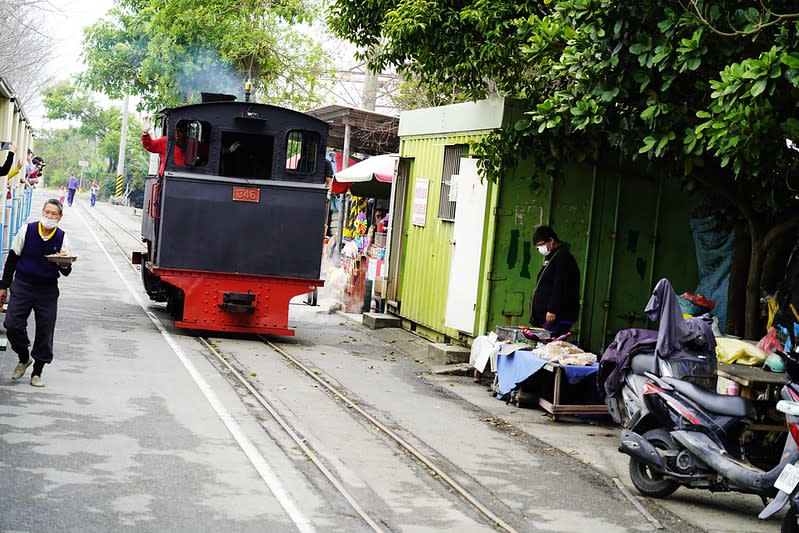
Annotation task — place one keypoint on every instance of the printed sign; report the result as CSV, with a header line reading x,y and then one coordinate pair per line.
x,y
246,194
420,202
374,269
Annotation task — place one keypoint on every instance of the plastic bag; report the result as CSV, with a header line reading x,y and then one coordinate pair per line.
x,y
769,342
738,351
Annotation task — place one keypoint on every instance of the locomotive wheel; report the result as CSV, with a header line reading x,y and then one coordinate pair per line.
x,y
648,482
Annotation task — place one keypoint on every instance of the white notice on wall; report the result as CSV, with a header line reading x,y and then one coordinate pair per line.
x,y
420,202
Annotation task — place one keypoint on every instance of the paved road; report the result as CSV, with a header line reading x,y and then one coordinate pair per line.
x,y
139,429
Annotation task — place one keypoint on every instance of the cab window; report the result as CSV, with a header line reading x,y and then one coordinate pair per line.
x,y
302,151
246,155
192,138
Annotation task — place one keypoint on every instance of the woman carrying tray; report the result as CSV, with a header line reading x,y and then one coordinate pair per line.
x,y
33,279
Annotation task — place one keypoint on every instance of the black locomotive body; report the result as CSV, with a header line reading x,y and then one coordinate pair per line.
x,y
234,218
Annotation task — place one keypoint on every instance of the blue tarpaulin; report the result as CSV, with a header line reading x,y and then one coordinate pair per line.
x,y
517,366
714,239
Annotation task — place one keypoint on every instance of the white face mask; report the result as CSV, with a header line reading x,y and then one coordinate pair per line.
x,y
543,249
49,223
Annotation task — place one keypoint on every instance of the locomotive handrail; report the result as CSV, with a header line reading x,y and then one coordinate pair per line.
x,y
155,191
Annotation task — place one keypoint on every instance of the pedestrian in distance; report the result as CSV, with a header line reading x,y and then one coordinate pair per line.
x,y
555,303
62,193
95,189
33,283
72,186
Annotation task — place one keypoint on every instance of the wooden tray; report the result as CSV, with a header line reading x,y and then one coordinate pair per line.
x,y
61,259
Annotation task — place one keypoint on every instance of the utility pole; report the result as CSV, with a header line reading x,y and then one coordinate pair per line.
x,y
123,139
369,100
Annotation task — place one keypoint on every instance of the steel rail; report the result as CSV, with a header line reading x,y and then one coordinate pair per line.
x,y
419,456
132,234
409,448
125,253
295,437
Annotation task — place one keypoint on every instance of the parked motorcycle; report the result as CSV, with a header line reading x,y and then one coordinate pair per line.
x,y
788,481
683,349
693,438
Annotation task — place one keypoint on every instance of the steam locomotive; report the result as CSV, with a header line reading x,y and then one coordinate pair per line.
x,y
233,218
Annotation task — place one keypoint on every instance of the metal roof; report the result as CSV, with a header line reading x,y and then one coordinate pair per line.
x,y
6,91
370,133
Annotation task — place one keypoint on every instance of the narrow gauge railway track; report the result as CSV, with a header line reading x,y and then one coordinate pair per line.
x,y
92,214
408,448
430,465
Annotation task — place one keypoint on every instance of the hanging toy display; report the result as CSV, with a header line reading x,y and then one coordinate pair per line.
x,y
361,226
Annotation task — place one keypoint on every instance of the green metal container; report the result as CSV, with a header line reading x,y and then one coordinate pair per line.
x,y
625,229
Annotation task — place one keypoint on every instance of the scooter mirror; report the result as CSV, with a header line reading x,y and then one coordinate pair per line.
x,y
789,408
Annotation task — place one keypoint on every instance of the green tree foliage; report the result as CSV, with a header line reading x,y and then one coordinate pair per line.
x,y
92,136
703,90
168,51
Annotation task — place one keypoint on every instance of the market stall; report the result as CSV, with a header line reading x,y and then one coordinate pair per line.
x,y
532,368
364,230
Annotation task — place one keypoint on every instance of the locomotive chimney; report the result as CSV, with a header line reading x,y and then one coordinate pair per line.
x,y
247,90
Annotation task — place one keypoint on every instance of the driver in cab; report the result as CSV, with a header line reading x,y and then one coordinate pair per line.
x,y
159,145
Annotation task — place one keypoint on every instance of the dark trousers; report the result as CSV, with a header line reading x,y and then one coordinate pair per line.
x,y
43,301
70,196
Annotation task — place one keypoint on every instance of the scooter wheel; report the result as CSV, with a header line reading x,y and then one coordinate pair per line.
x,y
648,482
789,524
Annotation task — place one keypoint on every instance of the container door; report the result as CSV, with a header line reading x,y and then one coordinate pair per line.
x,y
467,247
396,225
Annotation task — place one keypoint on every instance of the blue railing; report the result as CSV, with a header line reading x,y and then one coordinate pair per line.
x,y
18,209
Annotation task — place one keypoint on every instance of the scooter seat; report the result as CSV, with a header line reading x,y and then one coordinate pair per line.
x,y
719,404
641,363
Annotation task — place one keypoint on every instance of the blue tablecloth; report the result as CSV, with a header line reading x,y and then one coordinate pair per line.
x,y
515,367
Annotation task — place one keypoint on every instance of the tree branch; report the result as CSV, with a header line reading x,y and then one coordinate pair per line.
x,y
775,232
778,18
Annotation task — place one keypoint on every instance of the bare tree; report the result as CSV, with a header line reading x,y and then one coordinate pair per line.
x,y
24,48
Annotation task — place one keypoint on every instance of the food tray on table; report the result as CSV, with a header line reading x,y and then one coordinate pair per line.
x,y
61,259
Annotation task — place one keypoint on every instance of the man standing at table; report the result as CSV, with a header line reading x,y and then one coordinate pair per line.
x,y
72,186
555,304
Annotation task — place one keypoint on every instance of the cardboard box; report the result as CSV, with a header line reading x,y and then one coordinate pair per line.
x,y
379,286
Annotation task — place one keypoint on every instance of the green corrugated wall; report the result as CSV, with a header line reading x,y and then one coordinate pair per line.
x,y
626,230
625,233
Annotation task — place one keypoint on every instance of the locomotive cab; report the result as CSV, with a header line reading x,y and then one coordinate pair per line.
x,y
234,223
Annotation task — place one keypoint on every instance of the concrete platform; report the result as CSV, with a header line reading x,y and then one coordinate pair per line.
x,y
381,320
447,354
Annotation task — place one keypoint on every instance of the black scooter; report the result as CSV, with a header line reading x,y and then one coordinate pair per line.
x,y
693,438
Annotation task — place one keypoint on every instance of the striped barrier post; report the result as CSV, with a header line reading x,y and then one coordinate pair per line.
x,y
119,184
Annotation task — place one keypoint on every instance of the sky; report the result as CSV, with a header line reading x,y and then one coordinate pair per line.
x,y
64,23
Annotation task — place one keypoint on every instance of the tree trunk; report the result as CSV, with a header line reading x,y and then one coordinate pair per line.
x,y
736,291
761,241
752,314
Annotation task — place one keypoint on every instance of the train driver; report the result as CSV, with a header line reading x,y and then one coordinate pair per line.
x,y
158,146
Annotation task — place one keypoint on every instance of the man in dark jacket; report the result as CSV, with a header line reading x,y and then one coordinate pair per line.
x,y
556,298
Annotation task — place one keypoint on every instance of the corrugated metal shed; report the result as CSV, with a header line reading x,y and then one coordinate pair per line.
x,y
626,230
